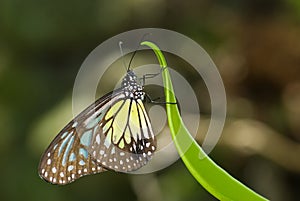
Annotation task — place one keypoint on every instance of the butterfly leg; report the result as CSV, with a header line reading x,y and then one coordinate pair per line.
x,y
154,101
151,75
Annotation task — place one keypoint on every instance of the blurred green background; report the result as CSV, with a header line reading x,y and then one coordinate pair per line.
x,y
254,43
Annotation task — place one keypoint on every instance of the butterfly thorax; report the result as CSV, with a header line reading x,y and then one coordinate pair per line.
x,y
131,87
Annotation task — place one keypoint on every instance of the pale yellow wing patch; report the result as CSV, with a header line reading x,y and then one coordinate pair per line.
x,y
120,123
135,122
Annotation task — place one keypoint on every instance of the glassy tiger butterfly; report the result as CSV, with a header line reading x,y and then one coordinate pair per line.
x,y
114,133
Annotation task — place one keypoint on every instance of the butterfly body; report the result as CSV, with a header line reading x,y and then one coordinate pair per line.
x,y
114,133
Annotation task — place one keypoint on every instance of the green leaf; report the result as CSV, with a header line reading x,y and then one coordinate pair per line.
x,y
212,177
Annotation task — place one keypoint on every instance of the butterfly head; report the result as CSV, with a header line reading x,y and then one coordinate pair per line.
x,y
131,87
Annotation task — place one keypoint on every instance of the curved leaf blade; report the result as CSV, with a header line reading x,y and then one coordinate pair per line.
x,y
211,176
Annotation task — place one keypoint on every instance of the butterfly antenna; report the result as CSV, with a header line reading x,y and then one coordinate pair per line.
x,y
122,54
138,47
131,59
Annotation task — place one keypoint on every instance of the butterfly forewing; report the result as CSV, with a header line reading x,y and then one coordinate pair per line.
x,y
66,160
67,157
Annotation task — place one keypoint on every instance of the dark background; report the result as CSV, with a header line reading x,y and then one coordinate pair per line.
x,y
254,43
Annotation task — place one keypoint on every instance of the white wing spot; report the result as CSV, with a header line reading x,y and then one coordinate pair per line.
x,y
147,144
70,168
49,161
54,180
74,124
93,169
43,171
84,170
121,162
46,174
48,154
116,167
79,171
107,142
113,150
122,153
101,152
149,153
73,176
50,179
98,139
54,170
61,174
81,162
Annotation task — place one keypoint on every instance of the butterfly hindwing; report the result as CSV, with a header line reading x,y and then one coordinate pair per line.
x,y
124,141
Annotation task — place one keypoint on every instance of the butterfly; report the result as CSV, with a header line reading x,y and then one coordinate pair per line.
x,y
113,133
